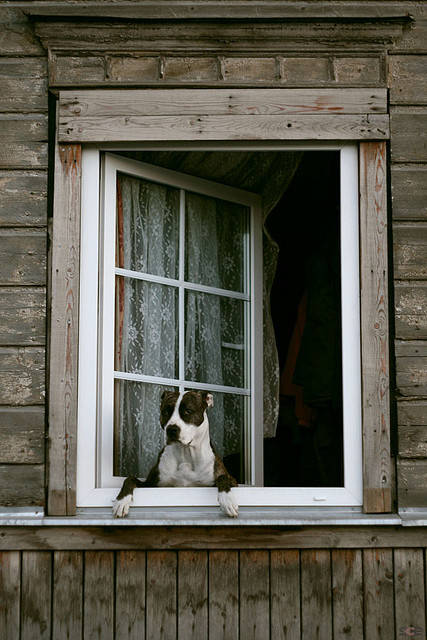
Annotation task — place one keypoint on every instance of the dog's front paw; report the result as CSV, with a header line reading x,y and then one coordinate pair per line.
x,y
227,503
121,507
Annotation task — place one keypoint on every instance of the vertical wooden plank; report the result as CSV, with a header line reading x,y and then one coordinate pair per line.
x,y
192,595
347,593
130,595
285,594
223,595
161,595
409,592
254,595
67,606
63,346
378,594
316,609
98,595
10,592
374,328
36,595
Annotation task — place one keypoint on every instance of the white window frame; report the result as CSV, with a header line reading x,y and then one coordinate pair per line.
x,y
94,490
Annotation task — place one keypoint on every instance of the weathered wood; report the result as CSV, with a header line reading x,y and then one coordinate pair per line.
x,y
75,105
19,39
316,613
254,595
22,376
378,594
67,601
409,591
74,70
412,414
347,593
64,332
409,192
358,71
22,435
410,349
193,595
98,595
374,328
23,141
413,440
238,127
410,251
411,310
23,199
414,40
408,79
408,136
36,595
132,68
23,257
412,482
411,367
161,595
285,594
22,316
21,485
223,595
24,85
10,590
130,595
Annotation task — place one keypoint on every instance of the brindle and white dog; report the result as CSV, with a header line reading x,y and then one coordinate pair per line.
x,y
188,458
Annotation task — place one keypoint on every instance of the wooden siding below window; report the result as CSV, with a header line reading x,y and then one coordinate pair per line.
x,y
283,594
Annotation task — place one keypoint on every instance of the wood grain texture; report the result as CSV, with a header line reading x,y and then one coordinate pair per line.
x,y
223,595
254,595
22,435
409,590
285,594
411,367
23,141
67,602
316,600
238,127
408,136
130,595
24,86
409,192
23,257
378,594
10,590
374,328
98,598
22,376
23,198
410,251
408,79
410,303
347,593
22,316
21,485
161,595
412,426
64,332
412,482
192,595
36,595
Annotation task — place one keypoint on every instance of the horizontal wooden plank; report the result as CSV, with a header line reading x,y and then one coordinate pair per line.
x,y
21,485
23,257
24,85
22,376
23,198
408,79
409,137
412,413
414,348
409,192
412,483
410,302
230,537
177,102
414,40
19,39
413,441
23,141
22,432
411,375
410,251
239,127
22,316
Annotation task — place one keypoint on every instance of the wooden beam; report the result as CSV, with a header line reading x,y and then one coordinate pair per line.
x,y
64,332
374,328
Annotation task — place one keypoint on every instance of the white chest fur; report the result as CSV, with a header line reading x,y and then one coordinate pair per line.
x,y
186,466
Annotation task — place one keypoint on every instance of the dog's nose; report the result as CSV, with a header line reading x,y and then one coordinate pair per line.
x,y
172,432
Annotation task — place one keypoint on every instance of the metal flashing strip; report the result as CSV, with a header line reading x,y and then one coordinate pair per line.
x,y
412,517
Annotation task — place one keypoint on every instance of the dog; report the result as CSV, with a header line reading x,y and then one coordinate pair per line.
x,y
188,459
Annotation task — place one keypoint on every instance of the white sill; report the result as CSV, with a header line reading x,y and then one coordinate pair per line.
x,y
203,516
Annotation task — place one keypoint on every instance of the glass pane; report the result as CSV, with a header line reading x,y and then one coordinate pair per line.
x,y
146,328
138,436
147,227
215,242
215,348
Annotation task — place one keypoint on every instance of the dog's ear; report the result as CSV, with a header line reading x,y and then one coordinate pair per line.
x,y
208,398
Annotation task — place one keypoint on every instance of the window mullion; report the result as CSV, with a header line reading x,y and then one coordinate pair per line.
x,y
181,294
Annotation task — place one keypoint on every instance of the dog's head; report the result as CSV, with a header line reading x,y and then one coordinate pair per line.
x,y
184,416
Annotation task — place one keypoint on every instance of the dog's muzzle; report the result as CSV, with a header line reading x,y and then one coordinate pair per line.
x,y
172,433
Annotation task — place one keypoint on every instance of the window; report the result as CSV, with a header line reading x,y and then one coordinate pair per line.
x,y
172,297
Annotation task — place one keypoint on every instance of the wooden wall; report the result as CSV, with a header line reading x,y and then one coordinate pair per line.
x,y
282,594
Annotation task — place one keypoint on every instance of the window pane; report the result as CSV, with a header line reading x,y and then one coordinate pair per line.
x,y
147,228
138,436
215,347
146,328
227,419
216,242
